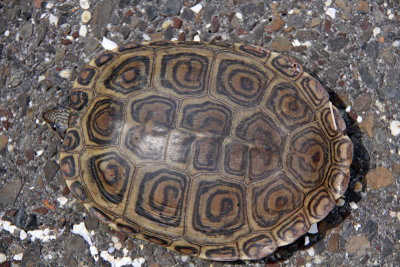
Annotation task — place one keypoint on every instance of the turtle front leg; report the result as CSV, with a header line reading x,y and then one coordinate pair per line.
x,y
57,119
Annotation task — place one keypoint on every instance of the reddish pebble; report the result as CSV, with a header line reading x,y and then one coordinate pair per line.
x,y
6,125
177,23
58,68
19,162
341,83
66,42
182,37
214,24
129,13
37,3
41,210
268,29
48,205
6,113
65,191
327,25
365,24
29,154
300,261
242,31
75,35
230,18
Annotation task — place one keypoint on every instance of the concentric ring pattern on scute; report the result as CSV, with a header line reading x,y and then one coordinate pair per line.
x,y
219,150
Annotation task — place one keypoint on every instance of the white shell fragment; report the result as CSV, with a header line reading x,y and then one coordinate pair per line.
x,y
86,16
108,44
84,4
196,9
313,229
395,128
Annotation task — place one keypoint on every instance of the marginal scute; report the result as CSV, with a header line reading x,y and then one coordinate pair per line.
x,y
342,151
254,51
78,190
220,253
286,66
318,204
185,247
127,74
69,166
104,58
86,77
337,179
331,121
315,92
72,141
79,99
256,246
291,229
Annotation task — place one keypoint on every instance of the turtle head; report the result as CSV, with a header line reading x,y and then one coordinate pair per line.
x,y
57,120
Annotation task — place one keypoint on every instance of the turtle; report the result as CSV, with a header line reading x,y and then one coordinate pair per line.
x,y
217,150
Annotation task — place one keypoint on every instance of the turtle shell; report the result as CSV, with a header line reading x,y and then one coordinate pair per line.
x,y
221,151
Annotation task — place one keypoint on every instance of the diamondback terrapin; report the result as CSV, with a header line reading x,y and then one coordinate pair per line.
x,y
221,151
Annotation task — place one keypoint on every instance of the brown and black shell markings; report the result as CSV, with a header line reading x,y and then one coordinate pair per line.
x,y
221,151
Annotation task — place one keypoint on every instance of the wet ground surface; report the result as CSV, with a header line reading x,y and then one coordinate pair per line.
x,y
351,47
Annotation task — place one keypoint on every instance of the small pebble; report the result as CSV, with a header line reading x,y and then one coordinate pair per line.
x,y
196,38
111,250
306,241
53,19
18,257
353,205
239,16
311,251
3,257
115,239
196,9
84,4
66,74
331,12
376,31
340,202
118,246
359,119
166,24
108,44
62,200
146,37
86,16
395,128
358,187
83,30
313,229
22,235
49,5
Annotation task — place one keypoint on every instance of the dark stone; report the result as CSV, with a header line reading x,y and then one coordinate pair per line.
x,y
248,9
187,14
101,17
355,84
50,169
21,217
123,3
371,229
32,255
26,31
337,43
40,30
367,77
168,34
379,136
397,232
297,21
91,222
151,12
171,7
76,244
387,248
215,24
392,80
372,49
3,25
32,222
8,193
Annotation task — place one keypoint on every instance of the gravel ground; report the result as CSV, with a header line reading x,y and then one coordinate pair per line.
x,y
352,47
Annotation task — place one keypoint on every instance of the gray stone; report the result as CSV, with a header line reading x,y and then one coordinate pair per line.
x,y
372,49
8,193
40,30
367,77
371,229
297,21
151,12
379,136
101,17
387,248
50,169
26,31
3,25
187,14
248,9
168,34
337,43
171,7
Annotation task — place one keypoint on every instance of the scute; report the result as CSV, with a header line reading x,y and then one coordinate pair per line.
x,y
221,151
